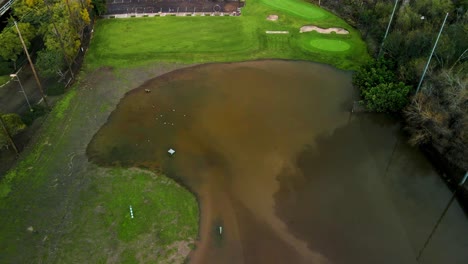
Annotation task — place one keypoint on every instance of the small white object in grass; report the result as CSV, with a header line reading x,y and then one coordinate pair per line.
x,y
220,230
131,211
171,151
173,110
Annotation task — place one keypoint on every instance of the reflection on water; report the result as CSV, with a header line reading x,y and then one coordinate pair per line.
x,y
272,156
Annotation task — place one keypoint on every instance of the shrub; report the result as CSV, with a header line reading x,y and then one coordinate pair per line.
x,y
387,97
29,117
14,125
379,87
5,67
55,89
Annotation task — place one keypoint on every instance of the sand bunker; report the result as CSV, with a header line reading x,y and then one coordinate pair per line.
x,y
276,32
323,30
272,17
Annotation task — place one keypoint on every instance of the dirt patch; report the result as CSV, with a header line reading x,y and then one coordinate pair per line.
x,y
272,17
180,250
340,31
230,7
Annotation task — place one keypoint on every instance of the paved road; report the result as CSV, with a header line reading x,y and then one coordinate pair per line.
x,y
12,100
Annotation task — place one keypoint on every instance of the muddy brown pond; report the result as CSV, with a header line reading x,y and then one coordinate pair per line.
x,y
274,157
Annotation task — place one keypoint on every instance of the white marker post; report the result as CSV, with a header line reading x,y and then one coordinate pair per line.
x,y
220,230
171,151
131,212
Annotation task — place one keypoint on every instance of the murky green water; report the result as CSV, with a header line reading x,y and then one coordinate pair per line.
x,y
274,157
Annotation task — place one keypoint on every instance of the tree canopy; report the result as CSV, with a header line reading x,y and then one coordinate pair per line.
x,y
14,125
53,24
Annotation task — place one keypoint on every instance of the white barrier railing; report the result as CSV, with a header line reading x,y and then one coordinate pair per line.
x,y
5,7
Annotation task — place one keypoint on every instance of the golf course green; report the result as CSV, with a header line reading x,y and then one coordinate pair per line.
x,y
198,39
329,44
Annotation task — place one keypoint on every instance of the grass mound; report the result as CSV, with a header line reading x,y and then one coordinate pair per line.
x,y
329,44
165,214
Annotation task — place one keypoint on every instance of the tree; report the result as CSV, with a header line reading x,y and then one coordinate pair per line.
x,y
11,126
10,44
438,116
99,6
49,63
387,97
379,87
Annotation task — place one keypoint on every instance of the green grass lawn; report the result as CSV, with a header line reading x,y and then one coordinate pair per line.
x,y
297,7
137,41
4,79
165,215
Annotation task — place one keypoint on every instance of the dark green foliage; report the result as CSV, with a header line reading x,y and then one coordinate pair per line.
x,y
13,124
99,6
56,89
49,63
387,97
379,88
29,117
372,74
5,67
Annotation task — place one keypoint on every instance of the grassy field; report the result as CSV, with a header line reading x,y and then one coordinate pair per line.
x,y
197,39
58,208
173,226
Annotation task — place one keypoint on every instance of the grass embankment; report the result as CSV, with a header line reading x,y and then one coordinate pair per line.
x,y
4,79
197,39
56,207
165,219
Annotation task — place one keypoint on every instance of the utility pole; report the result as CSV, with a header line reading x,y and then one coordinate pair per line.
x,y
430,56
388,27
32,67
60,40
7,133
459,186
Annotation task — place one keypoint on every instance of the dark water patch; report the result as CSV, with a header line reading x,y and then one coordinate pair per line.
x,y
349,217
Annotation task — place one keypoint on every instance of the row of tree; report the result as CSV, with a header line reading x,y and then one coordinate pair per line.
x,y
438,115
54,26
55,29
